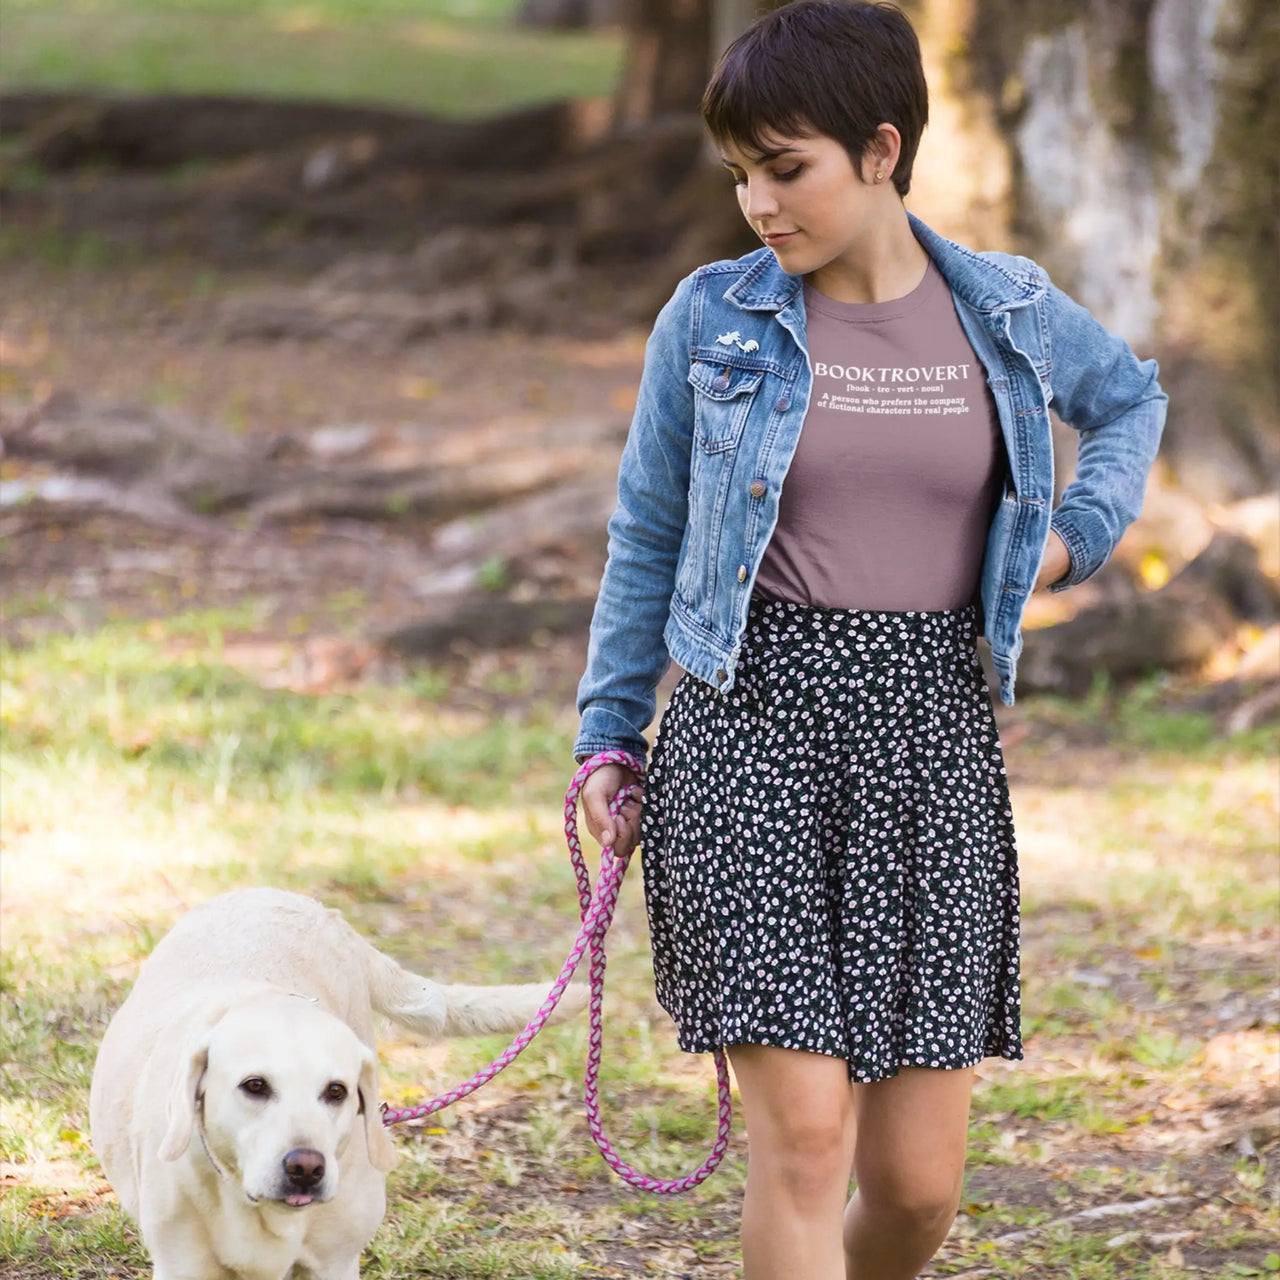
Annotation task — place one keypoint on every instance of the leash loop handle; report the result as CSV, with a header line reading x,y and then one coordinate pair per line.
x,y
596,911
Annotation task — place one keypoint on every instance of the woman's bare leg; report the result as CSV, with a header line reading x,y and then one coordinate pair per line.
x,y
912,1136
800,1129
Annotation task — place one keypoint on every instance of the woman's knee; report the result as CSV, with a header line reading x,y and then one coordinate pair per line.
x,y
807,1157
800,1119
805,1153
917,1203
911,1145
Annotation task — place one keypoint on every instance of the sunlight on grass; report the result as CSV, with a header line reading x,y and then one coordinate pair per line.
x,y
437,832
1185,844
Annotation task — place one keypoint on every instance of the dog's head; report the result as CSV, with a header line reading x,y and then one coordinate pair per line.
x,y
276,1088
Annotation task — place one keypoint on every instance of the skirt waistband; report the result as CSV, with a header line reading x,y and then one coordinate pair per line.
x,y
798,624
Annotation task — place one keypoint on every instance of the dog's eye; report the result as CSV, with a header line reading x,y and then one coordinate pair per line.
x,y
336,1091
256,1086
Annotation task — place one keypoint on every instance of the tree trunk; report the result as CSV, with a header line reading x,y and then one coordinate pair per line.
x,y
730,18
1147,179
668,59
569,15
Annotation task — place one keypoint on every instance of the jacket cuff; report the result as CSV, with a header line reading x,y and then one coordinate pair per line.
x,y
582,754
1087,541
604,730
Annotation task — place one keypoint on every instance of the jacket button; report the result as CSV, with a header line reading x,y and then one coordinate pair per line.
x,y
721,675
784,403
758,488
742,573
720,382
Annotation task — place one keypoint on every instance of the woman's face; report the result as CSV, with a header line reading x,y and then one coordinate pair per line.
x,y
805,200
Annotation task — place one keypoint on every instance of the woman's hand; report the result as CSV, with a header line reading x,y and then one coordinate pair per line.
x,y
622,832
1056,562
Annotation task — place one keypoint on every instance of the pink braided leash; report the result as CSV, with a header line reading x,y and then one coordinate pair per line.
x,y
597,914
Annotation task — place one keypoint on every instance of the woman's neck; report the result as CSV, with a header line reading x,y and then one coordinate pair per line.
x,y
886,263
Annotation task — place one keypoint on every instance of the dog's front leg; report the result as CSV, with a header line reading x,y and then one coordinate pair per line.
x,y
180,1244
185,1272
178,1264
335,1269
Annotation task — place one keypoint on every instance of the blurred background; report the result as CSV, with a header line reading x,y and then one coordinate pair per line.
x,y
263,257
321,323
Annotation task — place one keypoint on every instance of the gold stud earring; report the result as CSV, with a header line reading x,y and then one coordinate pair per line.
x,y
879,176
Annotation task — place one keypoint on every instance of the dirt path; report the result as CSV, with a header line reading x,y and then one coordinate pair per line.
x,y
148,339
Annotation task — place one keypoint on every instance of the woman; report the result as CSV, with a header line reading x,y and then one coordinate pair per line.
x,y
829,860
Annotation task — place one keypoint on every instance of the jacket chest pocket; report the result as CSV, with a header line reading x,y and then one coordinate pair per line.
x,y
1027,331
723,398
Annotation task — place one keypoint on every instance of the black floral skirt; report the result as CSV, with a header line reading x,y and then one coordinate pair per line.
x,y
828,848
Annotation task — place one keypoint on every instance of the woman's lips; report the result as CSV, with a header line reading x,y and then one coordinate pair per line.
x,y
774,238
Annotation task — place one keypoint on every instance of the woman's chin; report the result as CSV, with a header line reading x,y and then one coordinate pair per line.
x,y
794,261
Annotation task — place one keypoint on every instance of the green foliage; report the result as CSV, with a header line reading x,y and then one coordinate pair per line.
x,y
452,57
1059,1099
1138,717
492,574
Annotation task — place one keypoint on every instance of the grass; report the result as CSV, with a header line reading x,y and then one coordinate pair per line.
x,y
450,57
142,773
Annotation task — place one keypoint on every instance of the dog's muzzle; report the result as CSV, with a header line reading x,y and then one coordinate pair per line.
x,y
303,1176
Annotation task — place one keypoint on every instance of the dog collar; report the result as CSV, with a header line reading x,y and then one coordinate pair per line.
x,y
204,1142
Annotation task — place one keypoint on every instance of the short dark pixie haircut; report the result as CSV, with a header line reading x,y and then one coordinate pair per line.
x,y
835,67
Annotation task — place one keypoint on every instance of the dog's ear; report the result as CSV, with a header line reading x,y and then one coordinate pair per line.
x,y
382,1151
182,1101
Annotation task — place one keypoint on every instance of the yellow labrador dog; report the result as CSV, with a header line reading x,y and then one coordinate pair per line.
x,y
234,1104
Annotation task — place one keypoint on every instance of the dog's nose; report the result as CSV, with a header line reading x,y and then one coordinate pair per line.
x,y
304,1167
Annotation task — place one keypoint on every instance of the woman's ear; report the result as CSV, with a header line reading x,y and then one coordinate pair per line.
x,y
881,156
183,1094
382,1151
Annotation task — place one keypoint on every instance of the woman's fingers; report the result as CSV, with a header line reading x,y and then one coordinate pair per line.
x,y
599,821
598,791
621,832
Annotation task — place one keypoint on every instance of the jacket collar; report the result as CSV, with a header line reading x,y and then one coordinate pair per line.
x,y
981,282
764,286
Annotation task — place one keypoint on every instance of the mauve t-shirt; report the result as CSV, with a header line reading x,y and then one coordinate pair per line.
x,y
899,464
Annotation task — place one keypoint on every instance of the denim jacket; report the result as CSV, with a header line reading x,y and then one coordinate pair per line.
x,y
716,425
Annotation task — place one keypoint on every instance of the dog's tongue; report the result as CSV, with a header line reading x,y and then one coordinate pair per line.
x,y
297,1201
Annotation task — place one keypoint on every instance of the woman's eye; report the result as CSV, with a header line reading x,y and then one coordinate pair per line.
x,y
790,175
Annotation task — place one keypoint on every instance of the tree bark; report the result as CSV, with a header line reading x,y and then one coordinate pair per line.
x,y
668,59
1146,179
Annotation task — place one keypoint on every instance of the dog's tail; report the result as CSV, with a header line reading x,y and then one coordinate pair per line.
x,y
434,1009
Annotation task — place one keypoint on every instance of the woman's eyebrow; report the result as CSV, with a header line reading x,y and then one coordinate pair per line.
x,y
761,157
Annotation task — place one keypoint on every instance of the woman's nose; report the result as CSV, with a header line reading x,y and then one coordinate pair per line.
x,y
759,203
